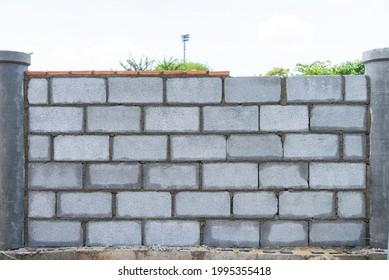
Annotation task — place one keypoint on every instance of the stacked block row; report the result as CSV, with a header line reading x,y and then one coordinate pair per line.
x,y
230,162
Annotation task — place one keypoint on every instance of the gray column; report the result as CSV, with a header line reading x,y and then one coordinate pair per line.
x,y
377,68
12,68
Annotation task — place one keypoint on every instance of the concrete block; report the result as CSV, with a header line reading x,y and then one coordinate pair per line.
x,y
135,90
198,147
255,204
113,233
307,204
351,205
37,91
172,233
55,176
283,118
314,88
311,146
55,119
144,204
171,176
41,204
194,90
354,146
85,147
284,233
113,176
356,88
254,147
39,147
230,176
337,175
140,147
283,176
78,90
338,117
54,233
84,204
172,119
113,119
252,89
337,233
231,234
231,118
203,204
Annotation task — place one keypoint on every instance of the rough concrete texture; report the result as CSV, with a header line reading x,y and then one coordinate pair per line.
x,y
41,204
351,205
259,147
78,90
355,88
56,119
284,233
252,89
202,204
231,233
113,233
230,176
283,118
311,146
39,148
354,146
194,90
255,204
139,90
37,91
283,175
231,118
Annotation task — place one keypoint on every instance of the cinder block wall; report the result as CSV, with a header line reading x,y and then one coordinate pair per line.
x,y
188,161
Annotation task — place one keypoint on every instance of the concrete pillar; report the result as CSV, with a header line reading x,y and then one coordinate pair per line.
x,y
377,68
12,68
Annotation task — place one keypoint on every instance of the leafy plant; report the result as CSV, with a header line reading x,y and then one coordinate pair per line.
x,y
175,64
350,68
278,71
143,64
170,64
325,68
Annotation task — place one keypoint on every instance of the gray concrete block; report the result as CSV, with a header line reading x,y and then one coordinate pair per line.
x,y
283,175
255,204
84,204
135,90
143,204
252,89
140,147
356,88
284,233
41,204
172,233
354,146
55,176
337,233
283,118
337,175
78,90
113,233
231,118
351,205
37,91
85,147
254,147
338,117
39,147
231,234
171,176
56,119
54,233
203,204
230,176
172,119
307,204
313,88
198,147
194,90
311,146
112,175
113,119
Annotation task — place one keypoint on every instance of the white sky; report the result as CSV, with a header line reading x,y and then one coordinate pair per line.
x,y
247,37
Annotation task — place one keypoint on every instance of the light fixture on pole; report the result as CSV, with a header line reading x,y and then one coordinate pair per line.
x,y
184,39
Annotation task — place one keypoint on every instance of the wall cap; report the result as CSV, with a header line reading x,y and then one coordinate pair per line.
x,y
15,57
375,55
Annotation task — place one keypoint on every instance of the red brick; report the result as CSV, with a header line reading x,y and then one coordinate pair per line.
x,y
85,72
35,73
219,73
108,72
196,72
129,73
52,73
149,73
173,72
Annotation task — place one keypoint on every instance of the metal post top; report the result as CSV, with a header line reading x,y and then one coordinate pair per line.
x,y
15,57
375,55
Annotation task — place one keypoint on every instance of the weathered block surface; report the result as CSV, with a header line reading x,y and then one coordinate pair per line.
x,y
356,88
39,148
194,90
140,147
354,146
172,119
78,90
311,146
254,147
172,233
115,233
283,175
351,205
283,118
56,119
203,204
37,91
85,147
41,204
255,204
284,233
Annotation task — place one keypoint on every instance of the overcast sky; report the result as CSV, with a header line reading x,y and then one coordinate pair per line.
x,y
247,37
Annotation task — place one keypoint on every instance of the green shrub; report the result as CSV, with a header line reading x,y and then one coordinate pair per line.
x,y
175,64
278,71
143,64
325,68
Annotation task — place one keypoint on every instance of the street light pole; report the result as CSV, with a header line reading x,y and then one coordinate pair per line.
x,y
184,39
